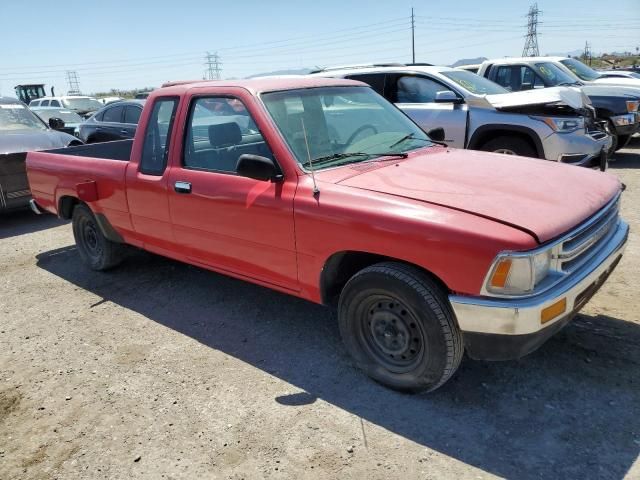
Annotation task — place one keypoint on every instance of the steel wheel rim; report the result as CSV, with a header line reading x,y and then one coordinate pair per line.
x,y
90,239
505,151
391,334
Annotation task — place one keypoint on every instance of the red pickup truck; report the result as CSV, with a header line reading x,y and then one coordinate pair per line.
x,y
322,189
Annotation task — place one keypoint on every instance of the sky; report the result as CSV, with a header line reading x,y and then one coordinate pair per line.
x,y
139,43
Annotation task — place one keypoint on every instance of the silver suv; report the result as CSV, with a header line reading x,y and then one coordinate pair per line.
x,y
476,113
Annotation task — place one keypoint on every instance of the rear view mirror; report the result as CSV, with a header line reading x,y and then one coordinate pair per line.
x,y
258,168
56,123
436,134
447,96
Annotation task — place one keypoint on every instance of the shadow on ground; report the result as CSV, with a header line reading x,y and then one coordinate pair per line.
x,y
21,222
570,410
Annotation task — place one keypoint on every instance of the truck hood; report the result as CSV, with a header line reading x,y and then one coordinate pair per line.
x,y
542,198
15,141
628,82
569,96
603,90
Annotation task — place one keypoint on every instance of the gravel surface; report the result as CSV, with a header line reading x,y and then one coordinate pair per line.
x,y
162,370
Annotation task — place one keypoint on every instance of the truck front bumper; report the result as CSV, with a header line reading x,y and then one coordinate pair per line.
x,y
504,329
582,150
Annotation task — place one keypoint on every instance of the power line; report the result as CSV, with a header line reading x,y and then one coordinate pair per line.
x,y
413,37
531,42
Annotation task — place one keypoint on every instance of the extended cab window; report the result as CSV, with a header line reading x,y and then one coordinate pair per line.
x,y
219,130
54,103
155,149
411,89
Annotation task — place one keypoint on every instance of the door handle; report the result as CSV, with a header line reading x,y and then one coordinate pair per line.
x,y
123,131
182,187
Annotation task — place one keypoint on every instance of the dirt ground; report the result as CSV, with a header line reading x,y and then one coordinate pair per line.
x,y
162,370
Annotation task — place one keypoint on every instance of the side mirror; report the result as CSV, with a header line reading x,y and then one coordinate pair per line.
x,y
56,123
436,134
258,168
447,96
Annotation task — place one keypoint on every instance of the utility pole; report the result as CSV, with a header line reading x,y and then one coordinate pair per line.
x,y
587,53
413,37
74,83
531,42
214,66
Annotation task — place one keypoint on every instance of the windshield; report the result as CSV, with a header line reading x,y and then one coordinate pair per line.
x,y
580,70
554,75
18,117
82,104
341,125
67,116
474,83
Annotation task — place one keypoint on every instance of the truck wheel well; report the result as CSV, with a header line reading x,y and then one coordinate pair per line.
x,y
66,205
341,266
483,136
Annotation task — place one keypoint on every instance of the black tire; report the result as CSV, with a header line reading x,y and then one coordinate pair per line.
x,y
96,251
611,130
623,140
398,326
515,145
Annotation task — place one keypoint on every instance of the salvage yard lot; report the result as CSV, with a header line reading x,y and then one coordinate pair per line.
x,y
162,370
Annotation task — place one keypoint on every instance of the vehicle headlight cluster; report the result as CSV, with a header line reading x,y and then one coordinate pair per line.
x,y
632,106
518,273
564,125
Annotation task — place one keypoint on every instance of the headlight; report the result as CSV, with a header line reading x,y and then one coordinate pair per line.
x,y
518,273
564,124
632,106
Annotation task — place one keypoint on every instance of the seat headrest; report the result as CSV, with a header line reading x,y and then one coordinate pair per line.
x,y
224,134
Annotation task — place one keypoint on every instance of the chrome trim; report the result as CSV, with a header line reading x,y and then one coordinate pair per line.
x,y
522,316
34,207
556,273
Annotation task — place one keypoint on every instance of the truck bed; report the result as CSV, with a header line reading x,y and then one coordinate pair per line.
x,y
93,173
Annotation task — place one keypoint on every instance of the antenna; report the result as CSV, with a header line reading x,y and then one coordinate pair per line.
x,y
316,191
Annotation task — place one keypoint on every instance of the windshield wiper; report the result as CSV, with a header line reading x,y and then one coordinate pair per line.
x,y
339,156
571,84
411,136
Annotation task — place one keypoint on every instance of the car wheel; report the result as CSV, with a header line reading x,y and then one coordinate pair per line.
x,y
510,146
96,251
623,140
398,325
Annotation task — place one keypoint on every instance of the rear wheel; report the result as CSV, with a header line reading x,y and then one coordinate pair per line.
x,y
96,251
510,146
398,326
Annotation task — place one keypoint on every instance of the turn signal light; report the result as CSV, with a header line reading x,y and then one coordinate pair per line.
x,y
632,106
553,310
501,273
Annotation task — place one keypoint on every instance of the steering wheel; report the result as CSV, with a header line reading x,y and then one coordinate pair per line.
x,y
360,130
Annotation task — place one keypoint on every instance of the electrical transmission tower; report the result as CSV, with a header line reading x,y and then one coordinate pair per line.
x,y
531,43
587,53
74,83
214,66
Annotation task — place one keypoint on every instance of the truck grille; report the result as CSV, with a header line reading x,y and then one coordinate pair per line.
x,y
584,242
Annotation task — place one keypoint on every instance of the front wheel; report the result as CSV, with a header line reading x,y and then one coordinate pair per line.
x,y
510,146
398,326
623,140
96,251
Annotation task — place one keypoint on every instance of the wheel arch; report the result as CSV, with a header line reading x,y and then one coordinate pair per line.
x,y
341,266
66,205
485,133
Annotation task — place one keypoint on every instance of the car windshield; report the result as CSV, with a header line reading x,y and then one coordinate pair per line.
x,y
14,116
580,70
82,104
67,116
474,83
337,125
554,75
